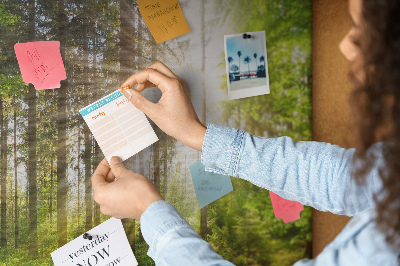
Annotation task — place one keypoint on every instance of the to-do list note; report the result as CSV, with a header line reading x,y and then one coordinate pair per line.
x,y
118,126
164,18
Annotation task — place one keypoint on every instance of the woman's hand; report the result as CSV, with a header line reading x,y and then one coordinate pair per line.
x,y
128,196
174,113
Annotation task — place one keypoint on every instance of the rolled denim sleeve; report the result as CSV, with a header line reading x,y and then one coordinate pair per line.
x,y
172,240
313,173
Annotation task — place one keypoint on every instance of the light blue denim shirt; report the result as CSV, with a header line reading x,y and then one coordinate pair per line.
x,y
312,173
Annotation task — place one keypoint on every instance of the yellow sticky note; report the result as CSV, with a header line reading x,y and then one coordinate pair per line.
x,y
164,18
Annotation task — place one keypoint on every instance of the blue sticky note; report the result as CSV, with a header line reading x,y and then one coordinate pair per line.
x,y
209,186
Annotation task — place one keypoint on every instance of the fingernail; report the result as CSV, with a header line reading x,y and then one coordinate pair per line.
x,y
128,94
115,160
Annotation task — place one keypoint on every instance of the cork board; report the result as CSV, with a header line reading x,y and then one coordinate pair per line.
x,y
331,89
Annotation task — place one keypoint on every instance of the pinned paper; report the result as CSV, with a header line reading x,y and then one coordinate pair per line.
x,y
107,244
164,18
209,186
284,209
118,126
41,63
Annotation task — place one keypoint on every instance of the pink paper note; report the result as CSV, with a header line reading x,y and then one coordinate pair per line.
x,y
41,63
284,209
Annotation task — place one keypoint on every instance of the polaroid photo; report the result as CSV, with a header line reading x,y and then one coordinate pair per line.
x,y
246,64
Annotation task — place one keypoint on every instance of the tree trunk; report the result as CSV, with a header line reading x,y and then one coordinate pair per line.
x,y
31,132
86,131
32,170
156,161
16,222
96,213
62,188
165,151
26,202
79,176
127,61
51,190
156,145
203,211
3,128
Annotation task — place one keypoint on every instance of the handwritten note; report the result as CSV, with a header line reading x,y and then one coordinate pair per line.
x,y
108,246
41,63
164,18
118,126
284,209
209,186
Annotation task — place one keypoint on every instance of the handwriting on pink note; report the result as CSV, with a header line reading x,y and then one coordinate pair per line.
x,y
41,63
284,209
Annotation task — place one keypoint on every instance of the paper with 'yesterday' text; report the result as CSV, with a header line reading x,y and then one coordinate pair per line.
x,y
109,246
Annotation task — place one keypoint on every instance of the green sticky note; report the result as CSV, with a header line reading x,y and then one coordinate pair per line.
x,y
209,186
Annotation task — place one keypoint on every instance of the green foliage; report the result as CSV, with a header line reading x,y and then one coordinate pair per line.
x,y
245,231
10,85
6,18
243,227
287,109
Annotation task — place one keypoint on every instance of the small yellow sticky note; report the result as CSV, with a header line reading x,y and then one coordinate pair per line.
x,y
164,18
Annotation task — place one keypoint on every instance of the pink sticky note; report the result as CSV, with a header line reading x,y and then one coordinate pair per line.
x,y
284,209
41,63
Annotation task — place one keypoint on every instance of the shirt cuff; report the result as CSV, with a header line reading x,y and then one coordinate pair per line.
x,y
158,219
222,148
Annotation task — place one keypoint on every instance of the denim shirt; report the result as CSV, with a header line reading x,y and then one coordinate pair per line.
x,y
312,173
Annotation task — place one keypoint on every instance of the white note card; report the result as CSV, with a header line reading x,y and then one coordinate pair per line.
x,y
118,126
108,247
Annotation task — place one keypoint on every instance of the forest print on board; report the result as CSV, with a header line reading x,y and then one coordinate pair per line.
x,y
48,154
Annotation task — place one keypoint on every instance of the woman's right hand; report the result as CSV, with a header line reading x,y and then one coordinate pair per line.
x,y
173,113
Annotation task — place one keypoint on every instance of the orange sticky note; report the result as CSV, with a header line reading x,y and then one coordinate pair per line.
x,y
284,209
41,63
164,18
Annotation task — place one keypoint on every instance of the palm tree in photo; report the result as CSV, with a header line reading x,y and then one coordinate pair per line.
x,y
239,54
234,68
255,58
230,59
247,60
262,59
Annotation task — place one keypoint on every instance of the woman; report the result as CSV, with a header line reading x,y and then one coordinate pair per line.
x,y
320,175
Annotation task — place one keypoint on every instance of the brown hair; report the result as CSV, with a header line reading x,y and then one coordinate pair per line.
x,y
375,101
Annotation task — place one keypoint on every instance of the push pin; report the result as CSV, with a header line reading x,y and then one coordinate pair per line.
x,y
88,236
246,36
124,88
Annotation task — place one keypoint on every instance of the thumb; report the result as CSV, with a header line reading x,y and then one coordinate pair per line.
x,y
117,167
138,100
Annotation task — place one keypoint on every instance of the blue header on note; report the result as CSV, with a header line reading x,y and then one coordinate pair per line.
x,y
101,103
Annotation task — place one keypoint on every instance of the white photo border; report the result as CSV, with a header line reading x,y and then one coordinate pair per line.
x,y
247,92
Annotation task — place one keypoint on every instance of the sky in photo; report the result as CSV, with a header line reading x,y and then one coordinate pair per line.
x,y
248,47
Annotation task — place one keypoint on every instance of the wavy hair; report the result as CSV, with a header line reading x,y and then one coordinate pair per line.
x,y
375,103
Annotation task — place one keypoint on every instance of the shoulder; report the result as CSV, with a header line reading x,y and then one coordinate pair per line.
x,y
361,241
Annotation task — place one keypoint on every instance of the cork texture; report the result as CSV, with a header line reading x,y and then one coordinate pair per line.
x,y
331,89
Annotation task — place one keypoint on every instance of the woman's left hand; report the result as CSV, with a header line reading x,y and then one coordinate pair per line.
x,y
128,196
